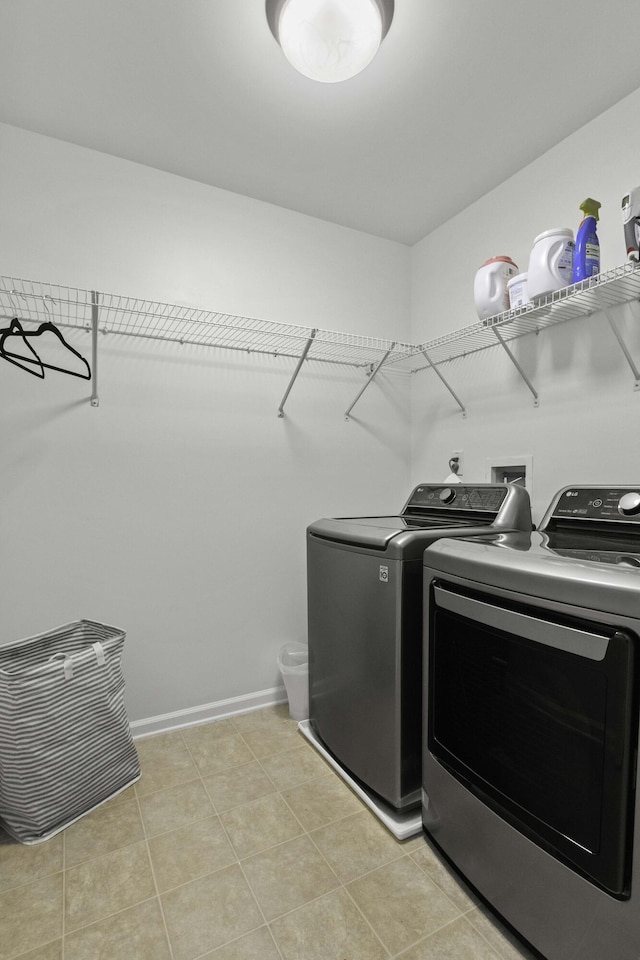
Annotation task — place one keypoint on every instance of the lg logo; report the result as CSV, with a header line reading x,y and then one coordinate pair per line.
x,y
384,574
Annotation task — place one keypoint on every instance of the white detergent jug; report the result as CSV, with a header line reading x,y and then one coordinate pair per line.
x,y
550,262
490,286
517,290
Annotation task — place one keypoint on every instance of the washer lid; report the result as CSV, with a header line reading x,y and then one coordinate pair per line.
x,y
373,532
377,532
432,510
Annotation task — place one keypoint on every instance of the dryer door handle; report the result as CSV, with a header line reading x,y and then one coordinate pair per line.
x,y
593,646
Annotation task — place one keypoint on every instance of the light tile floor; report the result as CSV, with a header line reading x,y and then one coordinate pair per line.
x,y
238,843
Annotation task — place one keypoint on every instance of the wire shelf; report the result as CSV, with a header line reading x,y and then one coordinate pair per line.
x,y
151,319
154,320
614,287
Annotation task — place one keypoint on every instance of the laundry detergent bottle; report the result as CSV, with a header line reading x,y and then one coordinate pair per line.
x,y
490,286
586,257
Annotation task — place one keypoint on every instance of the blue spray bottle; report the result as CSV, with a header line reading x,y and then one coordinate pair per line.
x,y
586,257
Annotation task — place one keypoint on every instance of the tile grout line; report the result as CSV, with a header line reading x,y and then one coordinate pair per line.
x,y
218,869
496,953
401,854
239,858
461,914
441,889
153,876
427,937
115,913
344,884
307,832
93,923
165,833
261,911
229,841
341,885
304,833
366,920
246,879
40,946
258,761
496,950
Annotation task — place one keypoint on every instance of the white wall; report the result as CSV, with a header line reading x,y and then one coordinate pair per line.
x,y
177,509
586,427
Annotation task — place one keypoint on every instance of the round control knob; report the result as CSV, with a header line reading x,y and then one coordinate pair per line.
x,y
629,504
447,495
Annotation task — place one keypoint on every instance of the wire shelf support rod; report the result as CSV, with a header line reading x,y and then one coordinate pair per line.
x,y
302,359
372,377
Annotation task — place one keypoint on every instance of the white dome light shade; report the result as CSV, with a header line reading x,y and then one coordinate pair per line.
x,y
330,40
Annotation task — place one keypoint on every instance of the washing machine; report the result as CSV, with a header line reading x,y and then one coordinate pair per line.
x,y
531,695
364,582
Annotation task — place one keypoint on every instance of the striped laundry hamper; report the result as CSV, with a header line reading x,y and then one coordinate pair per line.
x,y
65,742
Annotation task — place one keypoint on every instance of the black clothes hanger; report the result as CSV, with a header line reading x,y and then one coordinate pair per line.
x,y
46,327
15,329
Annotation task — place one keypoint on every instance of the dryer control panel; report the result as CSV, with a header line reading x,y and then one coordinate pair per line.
x,y
619,504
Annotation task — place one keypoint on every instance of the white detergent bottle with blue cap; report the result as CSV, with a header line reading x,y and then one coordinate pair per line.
x,y
586,257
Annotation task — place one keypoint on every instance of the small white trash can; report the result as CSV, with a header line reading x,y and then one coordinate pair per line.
x,y
293,662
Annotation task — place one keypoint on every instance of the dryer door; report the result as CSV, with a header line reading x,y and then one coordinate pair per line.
x,y
534,715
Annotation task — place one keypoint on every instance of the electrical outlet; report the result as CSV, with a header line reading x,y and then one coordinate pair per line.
x,y
457,455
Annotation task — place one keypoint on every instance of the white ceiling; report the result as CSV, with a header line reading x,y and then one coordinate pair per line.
x,y
462,94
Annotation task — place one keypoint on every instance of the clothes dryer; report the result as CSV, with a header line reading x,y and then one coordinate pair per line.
x,y
364,580
531,693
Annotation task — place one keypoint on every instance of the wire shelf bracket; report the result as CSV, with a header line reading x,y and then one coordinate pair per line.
x,y
620,339
302,359
95,317
509,352
372,375
449,388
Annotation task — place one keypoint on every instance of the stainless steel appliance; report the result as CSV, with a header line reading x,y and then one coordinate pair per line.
x,y
364,579
531,722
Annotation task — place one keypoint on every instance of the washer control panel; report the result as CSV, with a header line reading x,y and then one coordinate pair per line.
x,y
599,503
459,496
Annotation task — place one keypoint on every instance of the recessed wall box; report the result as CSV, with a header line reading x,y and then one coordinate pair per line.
x,y
510,470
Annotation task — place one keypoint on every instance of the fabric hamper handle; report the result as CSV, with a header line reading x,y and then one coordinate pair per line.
x,y
98,649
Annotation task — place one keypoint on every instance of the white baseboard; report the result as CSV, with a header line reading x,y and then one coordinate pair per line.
x,y
208,711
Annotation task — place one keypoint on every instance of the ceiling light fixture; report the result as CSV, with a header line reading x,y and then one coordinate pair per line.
x,y
329,40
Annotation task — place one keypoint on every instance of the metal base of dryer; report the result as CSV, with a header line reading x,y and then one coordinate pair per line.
x,y
401,825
